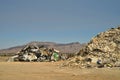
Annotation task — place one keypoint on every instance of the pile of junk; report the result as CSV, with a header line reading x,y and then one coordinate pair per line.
x,y
36,53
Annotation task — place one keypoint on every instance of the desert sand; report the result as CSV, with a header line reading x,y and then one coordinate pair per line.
x,y
53,71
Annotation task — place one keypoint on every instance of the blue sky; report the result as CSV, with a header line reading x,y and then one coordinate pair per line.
x,y
61,21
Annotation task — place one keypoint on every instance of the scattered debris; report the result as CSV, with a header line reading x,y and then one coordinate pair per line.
x,y
36,53
102,51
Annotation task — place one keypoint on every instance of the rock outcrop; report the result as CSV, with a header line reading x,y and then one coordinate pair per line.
x,y
103,50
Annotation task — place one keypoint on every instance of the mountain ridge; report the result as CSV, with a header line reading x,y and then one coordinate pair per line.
x,y
72,47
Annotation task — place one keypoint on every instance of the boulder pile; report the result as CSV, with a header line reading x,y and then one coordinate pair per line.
x,y
102,51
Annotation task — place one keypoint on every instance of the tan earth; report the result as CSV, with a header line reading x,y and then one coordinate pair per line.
x,y
53,71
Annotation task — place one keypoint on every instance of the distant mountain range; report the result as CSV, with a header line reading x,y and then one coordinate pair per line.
x,y
63,48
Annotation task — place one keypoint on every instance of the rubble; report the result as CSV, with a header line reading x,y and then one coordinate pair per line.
x,y
36,53
102,51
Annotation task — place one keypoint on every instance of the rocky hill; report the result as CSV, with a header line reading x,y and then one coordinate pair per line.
x,y
63,48
103,49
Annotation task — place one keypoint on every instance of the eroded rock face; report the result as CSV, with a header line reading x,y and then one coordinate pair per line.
x,y
104,47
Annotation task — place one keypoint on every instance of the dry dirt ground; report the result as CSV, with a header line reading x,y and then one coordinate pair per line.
x,y
53,71
4,58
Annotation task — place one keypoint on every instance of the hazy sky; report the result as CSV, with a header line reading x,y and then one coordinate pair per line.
x,y
61,21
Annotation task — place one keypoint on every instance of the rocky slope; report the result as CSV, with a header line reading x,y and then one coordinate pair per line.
x,y
104,47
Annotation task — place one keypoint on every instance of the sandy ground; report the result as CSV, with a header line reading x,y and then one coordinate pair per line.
x,y
4,58
53,71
